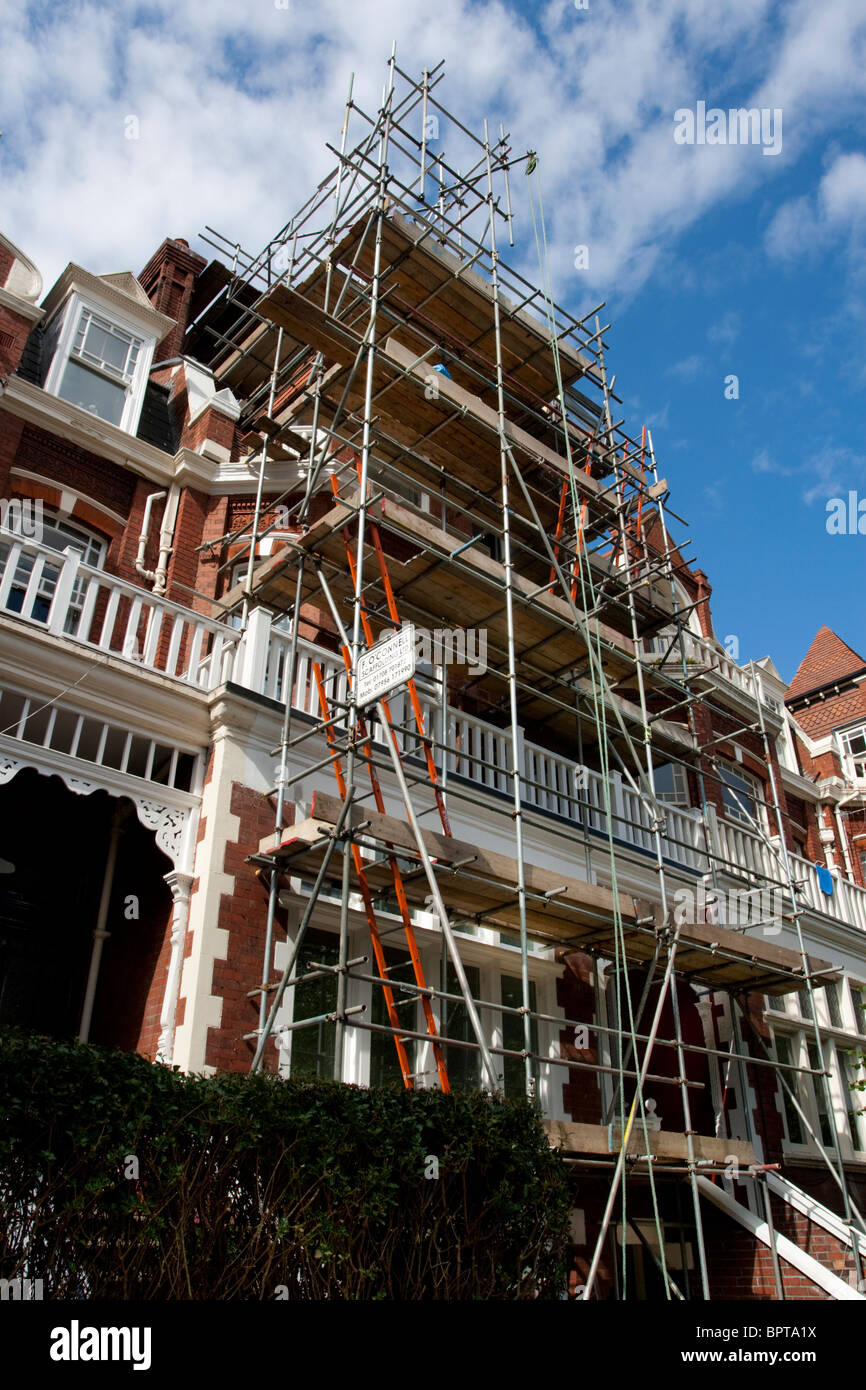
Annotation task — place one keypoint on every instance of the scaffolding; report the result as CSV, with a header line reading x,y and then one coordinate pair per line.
x,y
453,436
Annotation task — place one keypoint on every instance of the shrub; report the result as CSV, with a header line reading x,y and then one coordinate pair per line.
x,y
124,1180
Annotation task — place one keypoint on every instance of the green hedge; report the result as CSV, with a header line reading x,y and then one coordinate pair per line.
x,y
119,1179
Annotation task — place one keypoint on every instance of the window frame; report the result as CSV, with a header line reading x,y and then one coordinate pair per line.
x,y
70,316
851,761
95,556
734,813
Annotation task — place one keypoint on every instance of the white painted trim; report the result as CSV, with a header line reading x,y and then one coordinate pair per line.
x,y
133,306
37,406
170,814
786,1249
810,1208
20,306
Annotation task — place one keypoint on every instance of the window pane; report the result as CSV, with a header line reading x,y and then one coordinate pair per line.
x,y
832,992
737,795
106,346
857,999
514,1071
313,1047
820,1093
384,1064
92,392
853,1097
792,1119
464,1065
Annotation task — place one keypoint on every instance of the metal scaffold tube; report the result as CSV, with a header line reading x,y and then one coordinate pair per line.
x,y
505,488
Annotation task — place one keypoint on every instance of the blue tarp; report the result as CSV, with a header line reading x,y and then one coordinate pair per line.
x,y
825,879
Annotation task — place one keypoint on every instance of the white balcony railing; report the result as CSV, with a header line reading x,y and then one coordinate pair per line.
x,y
703,655
60,594
70,599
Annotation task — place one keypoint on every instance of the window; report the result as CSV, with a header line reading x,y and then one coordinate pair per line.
x,y
313,1046
819,1090
739,794
831,994
793,1124
100,358
853,743
384,1062
671,784
798,1048
853,1097
858,1001
514,1071
101,366
56,533
463,1063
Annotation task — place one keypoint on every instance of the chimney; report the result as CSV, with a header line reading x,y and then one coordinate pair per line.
x,y
168,280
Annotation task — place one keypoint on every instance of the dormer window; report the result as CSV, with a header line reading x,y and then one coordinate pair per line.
x,y
100,370
100,338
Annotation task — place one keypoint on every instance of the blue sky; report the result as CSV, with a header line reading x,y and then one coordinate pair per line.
x,y
714,260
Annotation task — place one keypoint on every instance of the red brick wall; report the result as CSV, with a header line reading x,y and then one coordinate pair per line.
x,y
7,260
741,1267
575,995
168,280
11,430
14,332
74,467
210,425
243,914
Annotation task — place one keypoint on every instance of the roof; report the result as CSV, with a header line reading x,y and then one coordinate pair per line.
x,y
828,661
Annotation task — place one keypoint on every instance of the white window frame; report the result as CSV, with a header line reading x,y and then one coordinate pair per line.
x,y
834,1041
852,761
680,794
734,813
93,548
71,313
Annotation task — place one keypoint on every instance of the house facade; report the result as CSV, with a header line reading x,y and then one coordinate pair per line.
x,y
145,678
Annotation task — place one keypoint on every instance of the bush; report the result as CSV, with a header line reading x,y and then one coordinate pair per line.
x,y
120,1179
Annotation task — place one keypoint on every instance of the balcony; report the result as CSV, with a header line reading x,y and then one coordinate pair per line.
x,y
101,613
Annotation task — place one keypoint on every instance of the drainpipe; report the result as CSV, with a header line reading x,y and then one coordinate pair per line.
x,y
166,538
142,540
843,838
99,932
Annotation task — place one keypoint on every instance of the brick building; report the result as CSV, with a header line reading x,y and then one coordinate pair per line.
x,y
144,682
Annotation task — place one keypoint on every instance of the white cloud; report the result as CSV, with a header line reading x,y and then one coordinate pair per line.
x,y
235,104
725,330
763,462
837,209
688,368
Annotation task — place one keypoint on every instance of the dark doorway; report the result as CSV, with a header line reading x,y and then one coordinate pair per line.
x,y
53,845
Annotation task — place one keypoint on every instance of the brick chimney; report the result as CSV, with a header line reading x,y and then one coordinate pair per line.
x,y
168,280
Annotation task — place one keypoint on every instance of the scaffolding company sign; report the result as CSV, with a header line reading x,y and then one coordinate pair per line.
x,y
386,666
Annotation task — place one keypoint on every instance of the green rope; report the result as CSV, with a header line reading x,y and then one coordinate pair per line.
x,y
600,718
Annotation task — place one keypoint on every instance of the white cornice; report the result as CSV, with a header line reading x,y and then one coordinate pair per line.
x,y
187,468
88,431
21,306
31,273
801,786
133,306
113,688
